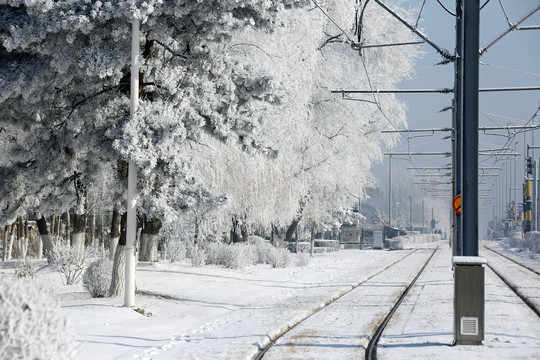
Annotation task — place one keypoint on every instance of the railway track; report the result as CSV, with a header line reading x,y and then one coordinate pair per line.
x,y
521,280
377,297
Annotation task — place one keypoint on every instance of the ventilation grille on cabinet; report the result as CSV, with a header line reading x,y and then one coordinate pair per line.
x,y
469,326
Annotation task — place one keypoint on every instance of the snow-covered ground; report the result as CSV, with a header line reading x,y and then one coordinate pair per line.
x,y
211,312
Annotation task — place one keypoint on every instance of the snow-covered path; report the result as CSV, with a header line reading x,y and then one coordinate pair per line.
x,y
216,313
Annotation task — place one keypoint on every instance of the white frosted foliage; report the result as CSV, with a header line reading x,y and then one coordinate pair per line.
x,y
31,324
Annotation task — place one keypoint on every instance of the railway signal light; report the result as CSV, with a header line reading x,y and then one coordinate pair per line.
x,y
529,165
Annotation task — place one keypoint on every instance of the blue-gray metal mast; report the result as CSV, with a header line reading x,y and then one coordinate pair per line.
x,y
469,76
457,248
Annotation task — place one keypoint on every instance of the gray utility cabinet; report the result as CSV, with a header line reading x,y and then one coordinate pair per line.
x,y
468,300
377,239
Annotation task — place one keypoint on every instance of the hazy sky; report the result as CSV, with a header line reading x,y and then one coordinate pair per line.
x,y
511,62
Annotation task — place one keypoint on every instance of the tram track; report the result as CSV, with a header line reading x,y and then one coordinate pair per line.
x,y
516,288
371,350
513,260
379,323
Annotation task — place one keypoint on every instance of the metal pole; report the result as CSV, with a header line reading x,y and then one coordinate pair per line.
x,y
423,218
534,197
129,293
469,220
458,126
410,212
390,191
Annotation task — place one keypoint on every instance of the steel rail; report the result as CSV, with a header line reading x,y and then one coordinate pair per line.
x,y
512,287
263,350
371,349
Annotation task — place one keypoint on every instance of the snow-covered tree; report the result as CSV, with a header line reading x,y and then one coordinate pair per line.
x,y
236,121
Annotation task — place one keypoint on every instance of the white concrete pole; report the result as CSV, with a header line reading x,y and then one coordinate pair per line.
x,y
131,230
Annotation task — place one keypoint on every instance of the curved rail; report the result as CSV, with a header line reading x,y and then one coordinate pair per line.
x,y
373,342
514,261
511,285
265,349
371,350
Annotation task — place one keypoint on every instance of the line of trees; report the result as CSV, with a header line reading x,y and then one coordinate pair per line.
x,y
236,129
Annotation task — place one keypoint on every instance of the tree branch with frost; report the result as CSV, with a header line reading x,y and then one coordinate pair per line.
x,y
171,51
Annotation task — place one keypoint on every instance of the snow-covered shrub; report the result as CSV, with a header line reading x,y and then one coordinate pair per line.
x,y
515,239
215,253
302,259
279,258
26,268
262,250
70,262
175,250
531,241
234,256
31,326
303,247
97,277
197,256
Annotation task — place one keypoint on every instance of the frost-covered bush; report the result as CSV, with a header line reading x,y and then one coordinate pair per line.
x,y
31,326
303,247
515,239
279,258
262,251
215,252
234,256
26,268
531,241
97,277
302,259
175,250
197,256
70,262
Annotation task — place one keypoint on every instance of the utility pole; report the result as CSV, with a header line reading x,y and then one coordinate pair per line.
x,y
457,248
469,81
423,218
390,191
129,291
468,269
410,212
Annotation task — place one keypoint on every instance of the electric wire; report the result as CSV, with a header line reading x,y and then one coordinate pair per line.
x,y
445,8
509,69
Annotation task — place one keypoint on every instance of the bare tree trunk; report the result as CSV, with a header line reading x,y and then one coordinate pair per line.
x,y
292,228
196,236
48,245
149,240
312,239
21,240
8,241
26,237
234,233
52,231
119,264
93,229
68,228
79,231
115,234
100,232
11,238
58,229
297,250
245,234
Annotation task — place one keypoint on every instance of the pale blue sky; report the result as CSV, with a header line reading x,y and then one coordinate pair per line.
x,y
513,61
